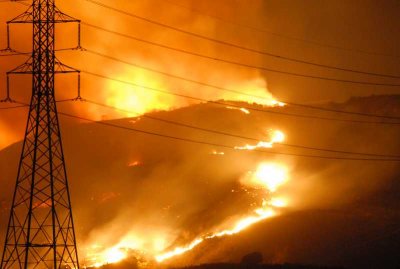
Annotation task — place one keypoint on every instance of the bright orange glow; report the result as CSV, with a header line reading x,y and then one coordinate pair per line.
x,y
7,136
134,163
142,100
260,144
98,255
115,255
214,152
262,213
136,99
276,137
277,103
279,202
255,90
178,250
244,110
269,176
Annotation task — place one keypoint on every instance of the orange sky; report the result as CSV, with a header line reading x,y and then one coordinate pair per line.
x,y
362,25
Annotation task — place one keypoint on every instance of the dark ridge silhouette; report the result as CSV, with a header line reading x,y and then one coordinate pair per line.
x,y
252,258
256,266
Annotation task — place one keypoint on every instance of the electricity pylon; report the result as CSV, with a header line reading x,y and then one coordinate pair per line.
x,y
40,231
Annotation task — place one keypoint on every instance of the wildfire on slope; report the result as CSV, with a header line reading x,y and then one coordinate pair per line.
x,y
134,163
276,137
268,177
244,110
158,94
215,152
127,97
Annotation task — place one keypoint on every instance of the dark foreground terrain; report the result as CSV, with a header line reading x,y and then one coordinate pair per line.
x,y
256,266
341,213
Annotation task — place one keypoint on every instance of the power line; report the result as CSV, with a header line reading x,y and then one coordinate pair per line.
x,y
282,35
237,106
234,91
227,146
229,90
215,131
238,63
235,135
221,145
17,53
23,105
233,105
13,107
222,42
13,54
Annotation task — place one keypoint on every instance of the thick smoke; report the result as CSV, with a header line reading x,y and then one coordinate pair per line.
x,y
176,192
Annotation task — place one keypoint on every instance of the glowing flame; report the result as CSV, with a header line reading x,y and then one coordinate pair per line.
x,y
278,202
135,120
260,144
214,152
99,256
270,177
244,110
138,100
134,163
277,103
261,213
256,92
178,250
276,137
115,255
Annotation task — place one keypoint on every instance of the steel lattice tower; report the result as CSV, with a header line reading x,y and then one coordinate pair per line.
x,y
40,231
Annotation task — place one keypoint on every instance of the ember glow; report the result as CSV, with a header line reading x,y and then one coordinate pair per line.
x,y
134,163
215,152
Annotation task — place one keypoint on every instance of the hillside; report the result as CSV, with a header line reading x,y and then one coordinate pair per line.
x,y
163,192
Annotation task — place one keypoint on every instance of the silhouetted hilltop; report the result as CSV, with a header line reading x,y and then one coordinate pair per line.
x,y
375,104
255,266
